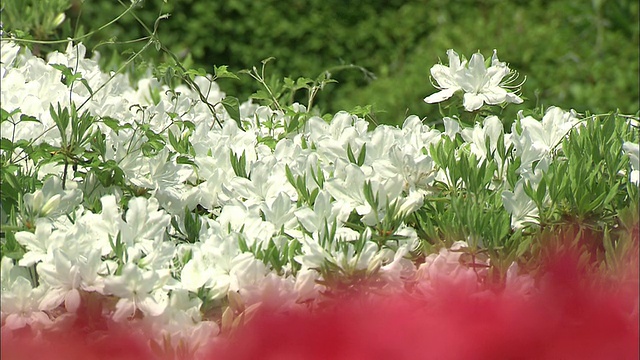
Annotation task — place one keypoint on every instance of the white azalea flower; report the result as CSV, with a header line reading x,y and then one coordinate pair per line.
x,y
540,139
97,229
313,255
306,285
523,285
63,278
523,209
9,273
267,181
363,260
280,212
137,290
347,187
183,309
331,140
396,270
247,220
324,211
272,290
198,272
383,138
417,135
477,136
20,305
39,244
549,133
144,224
480,84
416,170
633,151
443,269
246,271
8,53
211,265
70,247
447,78
451,127
52,200
182,323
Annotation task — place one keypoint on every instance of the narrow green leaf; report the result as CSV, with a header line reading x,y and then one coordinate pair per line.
x,y
362,155
185,160
541,191
289,175
350,155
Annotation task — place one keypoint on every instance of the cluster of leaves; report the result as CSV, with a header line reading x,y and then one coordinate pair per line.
x,y
36,19
582,197
584,185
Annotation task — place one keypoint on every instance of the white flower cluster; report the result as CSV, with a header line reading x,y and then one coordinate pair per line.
x,y
295,197
480,84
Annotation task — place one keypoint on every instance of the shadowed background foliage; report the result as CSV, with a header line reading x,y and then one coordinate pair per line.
x,y
575,54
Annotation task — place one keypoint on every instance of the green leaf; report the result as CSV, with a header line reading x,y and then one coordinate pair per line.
x,y
6,145
502,152
362,155
192,73
185,160
11,248
269,141
61,119
289,175
28,118
369,196
232,106
222,72
239,165
541,191
5,115
112,123
318,176
262,95
350,155
152,147
86,85
265,61
172,140
68,75
293,123
192,225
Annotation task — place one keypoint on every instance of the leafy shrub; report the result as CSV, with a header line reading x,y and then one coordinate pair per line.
x,y
581,55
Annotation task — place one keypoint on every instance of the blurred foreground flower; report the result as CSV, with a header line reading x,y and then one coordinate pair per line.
x,y
480,84
572,312
567,317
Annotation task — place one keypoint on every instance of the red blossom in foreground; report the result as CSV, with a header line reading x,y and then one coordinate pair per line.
x,y
569,318
572,315
119,345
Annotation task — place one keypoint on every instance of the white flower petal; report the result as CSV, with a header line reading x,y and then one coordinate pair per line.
x,y
441,95
472,102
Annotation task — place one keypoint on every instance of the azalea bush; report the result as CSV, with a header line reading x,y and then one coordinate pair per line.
x,y
171,210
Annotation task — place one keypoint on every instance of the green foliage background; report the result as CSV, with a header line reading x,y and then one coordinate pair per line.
x,y
575,54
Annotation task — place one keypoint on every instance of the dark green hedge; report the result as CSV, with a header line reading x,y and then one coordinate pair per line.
x,y
576,54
